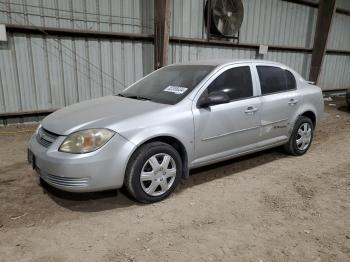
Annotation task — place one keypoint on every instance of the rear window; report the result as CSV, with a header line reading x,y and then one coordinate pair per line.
x,y
275,79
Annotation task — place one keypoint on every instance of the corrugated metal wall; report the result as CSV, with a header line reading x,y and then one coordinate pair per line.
x,y
48,72
345,4
274,22
269,22
335,73
182,53
187,18
38,72
45,73
339,36
131,16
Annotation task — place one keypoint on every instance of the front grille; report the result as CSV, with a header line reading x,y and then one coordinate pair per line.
x,y
66,181
45,138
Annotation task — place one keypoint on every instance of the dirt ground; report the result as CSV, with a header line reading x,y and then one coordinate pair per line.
x,y
263,207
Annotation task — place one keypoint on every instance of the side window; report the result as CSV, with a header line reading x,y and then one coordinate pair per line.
x,y
275,79
235,82
290,79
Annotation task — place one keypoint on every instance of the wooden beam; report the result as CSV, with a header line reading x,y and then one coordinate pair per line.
x,y
338,52
315,5
161,32
343,11
40,30
325,15
216,43
64,32
208,18
303,2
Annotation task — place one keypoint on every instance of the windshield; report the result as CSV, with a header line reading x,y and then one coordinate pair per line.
x,y
168,85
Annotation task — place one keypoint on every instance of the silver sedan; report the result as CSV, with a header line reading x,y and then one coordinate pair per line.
x,y
179,117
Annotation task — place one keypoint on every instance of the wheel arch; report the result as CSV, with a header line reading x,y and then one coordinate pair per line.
x,y
311,115
172,141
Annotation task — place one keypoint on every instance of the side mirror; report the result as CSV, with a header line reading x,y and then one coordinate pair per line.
x,y
214,98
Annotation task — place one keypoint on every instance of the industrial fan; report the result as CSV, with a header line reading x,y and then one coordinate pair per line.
x,y
224,18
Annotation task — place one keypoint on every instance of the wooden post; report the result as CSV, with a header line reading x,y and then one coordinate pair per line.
x,y
325,15
161,32
208,14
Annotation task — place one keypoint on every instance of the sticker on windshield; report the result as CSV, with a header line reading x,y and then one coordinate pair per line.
x,y
176,89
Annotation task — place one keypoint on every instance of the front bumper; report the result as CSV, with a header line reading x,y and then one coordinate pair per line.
x,y
96,171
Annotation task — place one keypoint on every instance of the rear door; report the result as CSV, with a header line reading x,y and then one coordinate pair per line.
x,y
280,100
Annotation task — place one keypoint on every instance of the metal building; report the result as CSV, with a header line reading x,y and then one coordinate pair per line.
x,y
60,52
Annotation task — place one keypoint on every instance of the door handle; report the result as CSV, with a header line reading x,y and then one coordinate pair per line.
x,y
292,102
251,110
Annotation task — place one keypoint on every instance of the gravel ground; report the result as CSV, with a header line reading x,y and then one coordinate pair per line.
x,y
263,207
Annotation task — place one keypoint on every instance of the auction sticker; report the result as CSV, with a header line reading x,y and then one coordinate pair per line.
x,y
176,89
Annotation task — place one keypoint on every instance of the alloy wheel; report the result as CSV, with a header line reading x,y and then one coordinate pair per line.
x,y
158,174
304,136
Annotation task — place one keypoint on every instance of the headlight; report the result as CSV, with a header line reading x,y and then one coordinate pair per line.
x,y
86,141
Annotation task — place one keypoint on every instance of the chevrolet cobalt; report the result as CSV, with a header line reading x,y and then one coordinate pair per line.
x,y
179,117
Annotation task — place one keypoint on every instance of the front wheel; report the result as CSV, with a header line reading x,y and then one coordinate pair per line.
x,y
153,172
301,137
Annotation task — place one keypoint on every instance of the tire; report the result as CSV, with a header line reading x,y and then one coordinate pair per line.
x,y
156,161
294,147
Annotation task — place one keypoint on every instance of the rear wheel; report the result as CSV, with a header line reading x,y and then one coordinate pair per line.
x,y
153,172
301,137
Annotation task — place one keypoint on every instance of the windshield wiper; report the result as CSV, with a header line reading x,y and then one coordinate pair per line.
x,y
135,97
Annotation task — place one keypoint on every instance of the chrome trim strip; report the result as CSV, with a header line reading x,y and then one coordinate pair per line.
x,y
230,133
242,130
45,138
66,181
274,122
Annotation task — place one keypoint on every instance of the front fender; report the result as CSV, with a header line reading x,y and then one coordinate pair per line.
x,y
183,135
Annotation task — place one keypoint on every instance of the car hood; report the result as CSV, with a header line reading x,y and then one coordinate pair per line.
x,y
103,112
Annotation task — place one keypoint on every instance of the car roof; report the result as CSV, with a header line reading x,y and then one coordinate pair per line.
x,y
221,62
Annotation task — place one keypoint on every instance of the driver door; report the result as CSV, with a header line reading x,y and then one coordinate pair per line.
x,y
227,129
